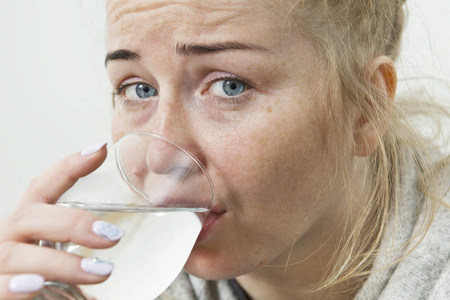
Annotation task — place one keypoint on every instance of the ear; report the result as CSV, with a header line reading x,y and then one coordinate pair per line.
x,y
382,73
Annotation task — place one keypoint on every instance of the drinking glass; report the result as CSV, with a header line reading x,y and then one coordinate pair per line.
x,y
159,194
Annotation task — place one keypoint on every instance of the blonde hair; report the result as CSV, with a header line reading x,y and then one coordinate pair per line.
x,y
348,34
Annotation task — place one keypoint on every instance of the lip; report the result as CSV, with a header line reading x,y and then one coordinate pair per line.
x,y
210,221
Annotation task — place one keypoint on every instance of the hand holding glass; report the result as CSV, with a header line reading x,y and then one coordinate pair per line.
x,y
161,209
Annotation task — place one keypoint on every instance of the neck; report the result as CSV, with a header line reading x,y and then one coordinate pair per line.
x,y
297,278
297,273
284,283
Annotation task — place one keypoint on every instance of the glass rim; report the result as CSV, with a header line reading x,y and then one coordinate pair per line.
x,y
126,208
189,154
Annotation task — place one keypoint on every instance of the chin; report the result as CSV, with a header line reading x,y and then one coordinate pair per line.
x,y
216,265
207,266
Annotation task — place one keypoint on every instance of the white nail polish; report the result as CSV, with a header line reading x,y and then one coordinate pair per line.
x,y
107,230
92,149
97,266
26,283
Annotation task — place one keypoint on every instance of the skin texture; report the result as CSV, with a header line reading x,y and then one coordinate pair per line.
x,y
266,150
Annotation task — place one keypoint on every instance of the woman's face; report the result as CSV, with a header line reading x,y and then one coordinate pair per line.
x,y
227,81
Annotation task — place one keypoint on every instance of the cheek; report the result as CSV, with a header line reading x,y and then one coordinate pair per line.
x,y
117,127
272,157
126,120
122,124
269,175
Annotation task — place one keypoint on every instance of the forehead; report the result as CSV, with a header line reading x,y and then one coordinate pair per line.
x,y
137,21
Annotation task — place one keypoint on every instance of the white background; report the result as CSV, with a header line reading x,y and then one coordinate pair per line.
x,y
54,93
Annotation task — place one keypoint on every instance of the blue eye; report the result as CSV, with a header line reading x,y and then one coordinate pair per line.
x,y
233,87
140,91
228,88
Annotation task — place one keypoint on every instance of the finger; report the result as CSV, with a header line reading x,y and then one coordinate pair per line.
x,y
51,184
52,264
40,221
22,286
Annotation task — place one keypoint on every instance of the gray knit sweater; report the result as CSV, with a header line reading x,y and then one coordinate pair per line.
x,y
423,274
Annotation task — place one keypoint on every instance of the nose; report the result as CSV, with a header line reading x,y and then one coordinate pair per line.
x,y
171,121
154,166
163,157
142,153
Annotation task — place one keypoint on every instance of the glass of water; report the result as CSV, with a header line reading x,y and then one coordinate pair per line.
x,y
156,191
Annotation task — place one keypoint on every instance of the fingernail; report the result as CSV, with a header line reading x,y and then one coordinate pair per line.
x,y
107,230
26,283
92,149
97,266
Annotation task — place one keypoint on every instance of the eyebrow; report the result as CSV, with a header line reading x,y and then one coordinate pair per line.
x,y
187,49
196,49
121,54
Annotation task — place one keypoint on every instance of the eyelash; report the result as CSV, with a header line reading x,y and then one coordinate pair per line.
x,y
229,100
118,92
122,87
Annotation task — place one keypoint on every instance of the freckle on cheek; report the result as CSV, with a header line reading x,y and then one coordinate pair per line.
x,y
269,109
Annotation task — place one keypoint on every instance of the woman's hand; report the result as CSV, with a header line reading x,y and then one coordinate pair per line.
x,y
23,264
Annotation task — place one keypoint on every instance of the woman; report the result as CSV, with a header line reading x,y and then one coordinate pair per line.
x,y
319,181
